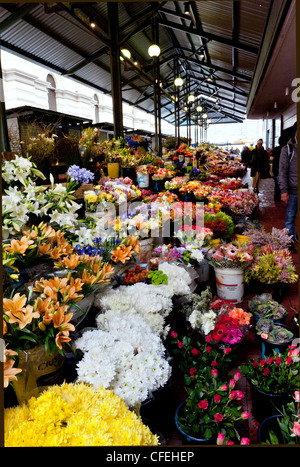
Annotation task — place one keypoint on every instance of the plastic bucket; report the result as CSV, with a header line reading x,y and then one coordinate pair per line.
x,y
143,180
113,169
230,284
203,271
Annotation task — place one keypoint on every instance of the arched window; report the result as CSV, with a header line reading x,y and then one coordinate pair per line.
x,y
51,93
96,109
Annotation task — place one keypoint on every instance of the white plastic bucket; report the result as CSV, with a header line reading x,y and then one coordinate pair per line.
x,y
230,284
143,180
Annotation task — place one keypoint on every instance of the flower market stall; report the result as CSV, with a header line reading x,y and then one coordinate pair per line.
x,y
137,290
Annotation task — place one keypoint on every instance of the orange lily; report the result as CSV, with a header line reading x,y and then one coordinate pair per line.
x,y
19,246
121,253
61,338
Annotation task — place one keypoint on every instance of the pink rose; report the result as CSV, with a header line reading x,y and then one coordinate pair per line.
x,y
218,417
297,396
245,441
220,439
296,428
214,373
245,415
203,404
173,334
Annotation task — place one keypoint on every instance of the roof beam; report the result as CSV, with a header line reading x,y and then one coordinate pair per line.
x,y
16,15
206,35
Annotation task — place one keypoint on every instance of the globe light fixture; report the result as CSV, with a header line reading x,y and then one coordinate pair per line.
x,y
191,98
178,82
204,116
126,53
199,108
154,50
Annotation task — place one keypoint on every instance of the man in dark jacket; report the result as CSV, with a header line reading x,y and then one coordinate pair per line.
x,y
288,181
275,156
259,164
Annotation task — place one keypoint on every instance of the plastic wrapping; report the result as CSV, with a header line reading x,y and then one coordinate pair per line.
x,y
39,370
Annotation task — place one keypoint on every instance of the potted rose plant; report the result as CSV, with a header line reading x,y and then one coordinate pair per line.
x,y
211,407
272,381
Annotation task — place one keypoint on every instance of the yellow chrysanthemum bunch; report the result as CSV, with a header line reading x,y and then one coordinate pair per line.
x,y
75,415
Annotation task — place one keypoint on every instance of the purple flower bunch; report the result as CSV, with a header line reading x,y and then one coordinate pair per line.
x,y
80,175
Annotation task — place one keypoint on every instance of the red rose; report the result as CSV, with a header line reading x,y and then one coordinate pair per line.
x,y
277,361
217,398
218,417
254,364
266,371
203,404
195,351
180,344
208,349
262,362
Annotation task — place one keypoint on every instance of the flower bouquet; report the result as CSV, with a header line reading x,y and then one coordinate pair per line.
x,y
20,171
194,236
271,266
278,239
175,183
123,355
75,415
220,223
161,174
242,202
231,255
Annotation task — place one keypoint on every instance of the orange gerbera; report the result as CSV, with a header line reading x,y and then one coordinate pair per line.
x,y
122,253
242,316
19,246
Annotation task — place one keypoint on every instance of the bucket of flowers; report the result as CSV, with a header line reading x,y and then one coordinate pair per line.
x,y
263,306
229,262
273,336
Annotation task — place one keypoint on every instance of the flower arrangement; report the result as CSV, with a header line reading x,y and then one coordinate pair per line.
x,y
28,321
175,183
242,202
192,255
220,223
278,239
277,374
124,355
194,235
190,187
161,174
231,255
220,322
202,192
263,306
75,415
213,407
271,266
20,170
80,175
134,275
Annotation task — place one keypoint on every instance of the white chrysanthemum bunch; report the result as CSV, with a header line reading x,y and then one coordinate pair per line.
x,y
127,358
205,322
179,280
140,297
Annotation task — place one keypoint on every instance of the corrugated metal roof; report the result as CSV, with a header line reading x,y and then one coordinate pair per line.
x,y
58,35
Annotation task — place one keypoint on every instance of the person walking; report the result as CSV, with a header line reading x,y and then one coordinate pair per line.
x,y
245,156
275,156
288,182
259,164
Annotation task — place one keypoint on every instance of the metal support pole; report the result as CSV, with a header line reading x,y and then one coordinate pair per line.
x,y
115,68
5,146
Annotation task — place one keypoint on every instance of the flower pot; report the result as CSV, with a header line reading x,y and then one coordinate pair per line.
x,y
266,404
267,425
113,169
188,439
203,271
39,370
267,347
277,290
143,180
230,284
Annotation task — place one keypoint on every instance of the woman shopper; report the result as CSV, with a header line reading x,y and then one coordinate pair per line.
x,y
259,164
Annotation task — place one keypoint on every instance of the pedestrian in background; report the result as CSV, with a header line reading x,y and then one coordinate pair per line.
x,y
288,182
259,164
275,156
